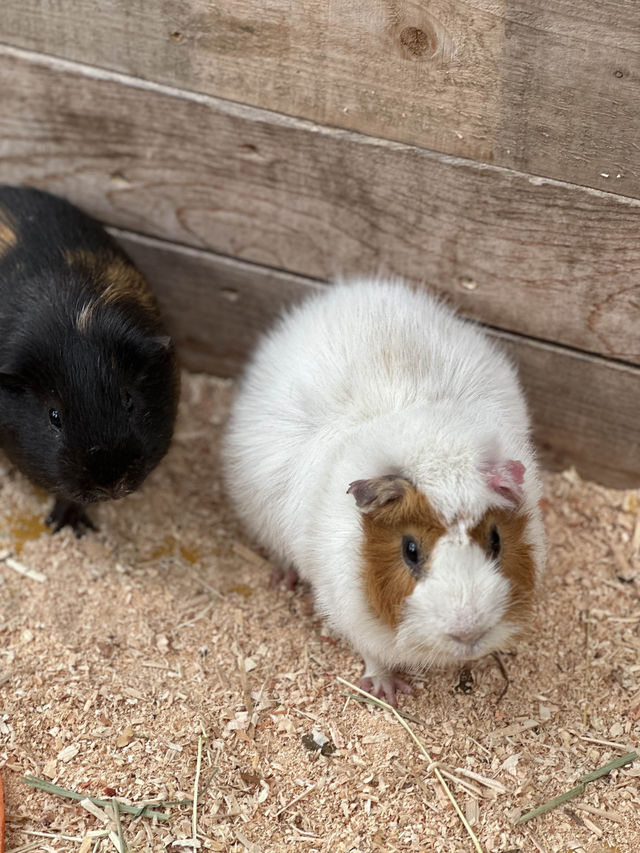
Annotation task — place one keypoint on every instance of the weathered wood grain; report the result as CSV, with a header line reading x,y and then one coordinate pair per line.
x,y
528,255
543,86
215,306
585,409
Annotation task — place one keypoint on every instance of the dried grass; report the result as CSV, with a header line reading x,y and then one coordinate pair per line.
x,y
431,767
579,788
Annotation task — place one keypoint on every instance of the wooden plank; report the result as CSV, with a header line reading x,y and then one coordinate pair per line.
x,y
215,306
570,73
545,86
524,254
585,409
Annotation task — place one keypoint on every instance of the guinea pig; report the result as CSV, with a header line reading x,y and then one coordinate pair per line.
x,y
88,376
380,445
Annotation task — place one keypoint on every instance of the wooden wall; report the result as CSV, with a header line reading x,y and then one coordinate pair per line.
x,y
244,152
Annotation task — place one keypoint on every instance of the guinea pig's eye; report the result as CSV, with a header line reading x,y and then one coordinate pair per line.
x,y
494,542
411,553
55,418
127,401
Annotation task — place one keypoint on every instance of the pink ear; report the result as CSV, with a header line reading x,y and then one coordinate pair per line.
x,y
505,478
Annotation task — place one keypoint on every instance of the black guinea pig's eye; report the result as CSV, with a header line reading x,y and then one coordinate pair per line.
x,y
411,553
127,401
495,542
55,418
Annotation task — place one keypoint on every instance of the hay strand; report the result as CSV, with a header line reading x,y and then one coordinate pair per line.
x,y
2,816
25,571
580,787
612,765
116,814
432,765
196,784
137,810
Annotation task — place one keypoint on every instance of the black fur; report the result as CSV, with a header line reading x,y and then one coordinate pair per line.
x,y
87,407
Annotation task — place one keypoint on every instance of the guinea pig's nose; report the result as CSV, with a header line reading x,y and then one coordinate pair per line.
x,y
107,466
469,636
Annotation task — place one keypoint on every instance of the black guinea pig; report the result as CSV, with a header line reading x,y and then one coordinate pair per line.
x,y
88,376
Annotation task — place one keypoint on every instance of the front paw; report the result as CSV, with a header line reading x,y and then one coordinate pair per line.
x,y
68,513
289,576
385,686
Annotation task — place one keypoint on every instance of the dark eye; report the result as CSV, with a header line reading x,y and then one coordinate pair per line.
x,y
127,401
411,553
494,542
55,418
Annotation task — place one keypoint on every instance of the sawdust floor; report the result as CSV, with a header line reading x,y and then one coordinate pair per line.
x,y
138,639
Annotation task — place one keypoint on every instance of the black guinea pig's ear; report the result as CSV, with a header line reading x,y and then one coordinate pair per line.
x,y
163,341
149,351
158,345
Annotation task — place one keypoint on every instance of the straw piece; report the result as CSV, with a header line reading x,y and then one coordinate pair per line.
x,y
554,803
43,785
88,804
423,750
366,699
608,815
116,813
2,816
493,784
196,783
27,572
579,789
612,765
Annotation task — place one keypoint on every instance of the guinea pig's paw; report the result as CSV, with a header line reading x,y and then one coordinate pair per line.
x,y
385,687
67,513
289,576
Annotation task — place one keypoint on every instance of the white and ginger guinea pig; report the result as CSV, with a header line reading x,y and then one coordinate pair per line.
x,y
379,445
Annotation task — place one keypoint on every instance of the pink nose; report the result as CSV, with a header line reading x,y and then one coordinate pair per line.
x,y
468,637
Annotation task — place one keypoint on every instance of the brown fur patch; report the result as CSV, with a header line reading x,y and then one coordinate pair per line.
x,y
115,278
8,233
515,558
388,580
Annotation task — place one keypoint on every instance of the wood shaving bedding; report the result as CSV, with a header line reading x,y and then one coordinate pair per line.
x,y
162,627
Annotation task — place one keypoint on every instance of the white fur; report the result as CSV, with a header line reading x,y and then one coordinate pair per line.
x,y
370,378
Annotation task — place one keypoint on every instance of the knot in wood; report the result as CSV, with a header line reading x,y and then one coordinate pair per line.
x,y
415,41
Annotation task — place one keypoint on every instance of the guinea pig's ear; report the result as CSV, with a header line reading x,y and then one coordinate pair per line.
x,y
162,342
158,345
153,349
505,478
372,494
